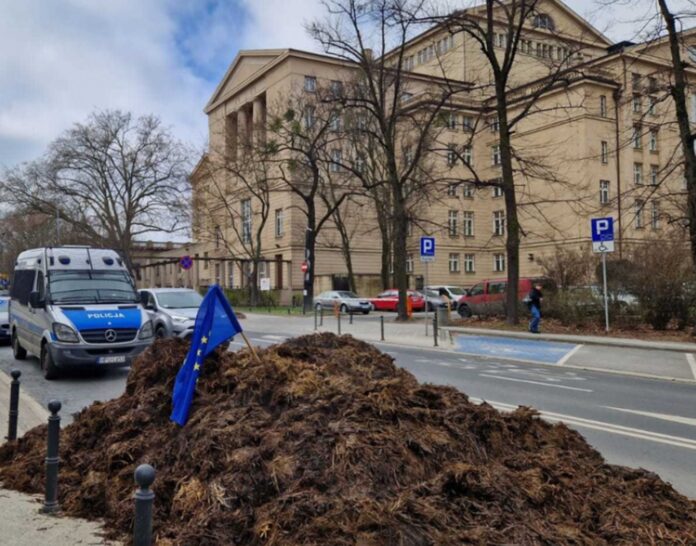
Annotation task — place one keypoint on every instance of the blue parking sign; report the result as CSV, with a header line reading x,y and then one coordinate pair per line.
x,y
602,234
427,249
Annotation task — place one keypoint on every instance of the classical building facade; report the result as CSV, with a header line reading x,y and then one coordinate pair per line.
x,y
601,142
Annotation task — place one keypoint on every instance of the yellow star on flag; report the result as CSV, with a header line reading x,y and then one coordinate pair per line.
x,y
204,339
197,367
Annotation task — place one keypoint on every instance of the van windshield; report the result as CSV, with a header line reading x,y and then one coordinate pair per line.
x,y
91,287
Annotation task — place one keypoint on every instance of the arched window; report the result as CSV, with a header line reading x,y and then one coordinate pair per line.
x,y
543,20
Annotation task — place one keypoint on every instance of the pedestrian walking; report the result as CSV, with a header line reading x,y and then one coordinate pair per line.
x,y
534,303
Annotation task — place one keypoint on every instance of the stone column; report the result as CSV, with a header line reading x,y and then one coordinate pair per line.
x,y
231,136
242,128
259,120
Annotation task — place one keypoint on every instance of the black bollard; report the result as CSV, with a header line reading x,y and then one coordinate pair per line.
x,y
315,317
14,405
144,497
321,316
381,325
435,329
339,323
350,320
52,460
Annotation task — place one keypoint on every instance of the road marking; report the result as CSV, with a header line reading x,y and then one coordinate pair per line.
x,y
274,337
664,416
692,363
499,357
534,382
568,355
581,422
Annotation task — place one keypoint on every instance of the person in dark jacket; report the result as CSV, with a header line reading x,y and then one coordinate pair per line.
x,y
534,302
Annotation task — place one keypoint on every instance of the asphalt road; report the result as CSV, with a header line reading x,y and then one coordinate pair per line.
x,y
632,421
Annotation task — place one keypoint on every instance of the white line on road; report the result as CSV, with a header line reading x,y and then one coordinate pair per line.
x,y
565,358
274,337
664,416
534,382
580,422
692,363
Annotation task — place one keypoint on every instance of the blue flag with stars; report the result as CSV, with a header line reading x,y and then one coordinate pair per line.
x,y
215,324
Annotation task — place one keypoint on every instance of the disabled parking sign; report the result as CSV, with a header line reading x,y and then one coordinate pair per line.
x,y
602,234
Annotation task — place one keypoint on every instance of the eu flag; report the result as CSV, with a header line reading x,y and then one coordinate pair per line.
x,y
215,324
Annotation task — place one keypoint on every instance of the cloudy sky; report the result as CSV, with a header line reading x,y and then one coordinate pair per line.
x,y
61,59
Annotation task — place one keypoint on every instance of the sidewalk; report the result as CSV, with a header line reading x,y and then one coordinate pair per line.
x,y
23,524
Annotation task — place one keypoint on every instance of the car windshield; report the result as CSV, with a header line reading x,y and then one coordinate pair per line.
x,y
345,294
3,305
456,290
189,299
91,287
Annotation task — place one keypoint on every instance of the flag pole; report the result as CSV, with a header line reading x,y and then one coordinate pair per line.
x,y
251,347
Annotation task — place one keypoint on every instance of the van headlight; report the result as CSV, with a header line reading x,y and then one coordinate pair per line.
x,y
64,333
179,318
146,330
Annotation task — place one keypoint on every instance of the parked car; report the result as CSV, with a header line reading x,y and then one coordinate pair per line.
x,y
488,296
4,319
389,300
594,293
453,293
173,310
433,300
348,302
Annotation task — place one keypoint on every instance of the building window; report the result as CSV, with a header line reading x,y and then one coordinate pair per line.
x,y
310,84
335,122
637,137
205,262
494,124
336,160
638,173
653,140
451,155
654,175
605,152
337,88
409,263
655,215
467,123
451,190
497,191
308,117
279,228
604,192
469,263
639,213
468,191
467,155
246,221
452,223
652,84
499,223
635,78
603,106
542,20
651,105
468,223
359,163
495,154
454,262
498,263
637,104
218,235
452,120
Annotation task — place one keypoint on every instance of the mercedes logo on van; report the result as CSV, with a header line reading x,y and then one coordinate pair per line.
x,y
110,335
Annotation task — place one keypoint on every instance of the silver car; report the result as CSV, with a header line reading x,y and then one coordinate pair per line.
x,y
348,302
4,319
173,310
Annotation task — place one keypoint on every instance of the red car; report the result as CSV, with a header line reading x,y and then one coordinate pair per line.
x,y
488,297
389,299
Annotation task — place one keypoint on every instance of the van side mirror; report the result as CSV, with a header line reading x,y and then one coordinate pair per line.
x,y
143,298
35,300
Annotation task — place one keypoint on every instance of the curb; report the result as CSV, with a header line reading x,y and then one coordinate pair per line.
x,y
590,340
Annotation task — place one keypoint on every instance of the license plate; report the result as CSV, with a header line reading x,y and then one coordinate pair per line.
x,y
119,359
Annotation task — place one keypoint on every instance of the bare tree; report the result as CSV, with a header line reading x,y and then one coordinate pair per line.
x,y
401,110
113,179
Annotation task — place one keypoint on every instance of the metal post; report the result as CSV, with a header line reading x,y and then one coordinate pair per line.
x,y
321,316
315,317
381,326
339,323
52,459
435,329
144,497
350,320
606,300
425,293
14,405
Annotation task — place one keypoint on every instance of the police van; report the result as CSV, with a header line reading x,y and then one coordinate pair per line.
x,y
76,307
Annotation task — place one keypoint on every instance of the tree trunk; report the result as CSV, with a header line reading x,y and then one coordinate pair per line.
x,y
399,243
310,243
254,284
385,275
678,92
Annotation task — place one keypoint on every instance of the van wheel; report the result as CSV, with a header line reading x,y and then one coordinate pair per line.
x,y
50,371
464,311
160,332
344,308
19,352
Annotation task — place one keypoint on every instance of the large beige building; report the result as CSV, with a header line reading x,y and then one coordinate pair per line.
x,y
602,142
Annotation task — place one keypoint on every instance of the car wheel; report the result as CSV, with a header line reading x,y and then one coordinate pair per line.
x,y
429,307
464,311
50,371
344,308
160,332
19,352
317,306
366,312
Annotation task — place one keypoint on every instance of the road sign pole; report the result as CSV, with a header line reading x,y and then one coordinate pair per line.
x,y
425,293
606,300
